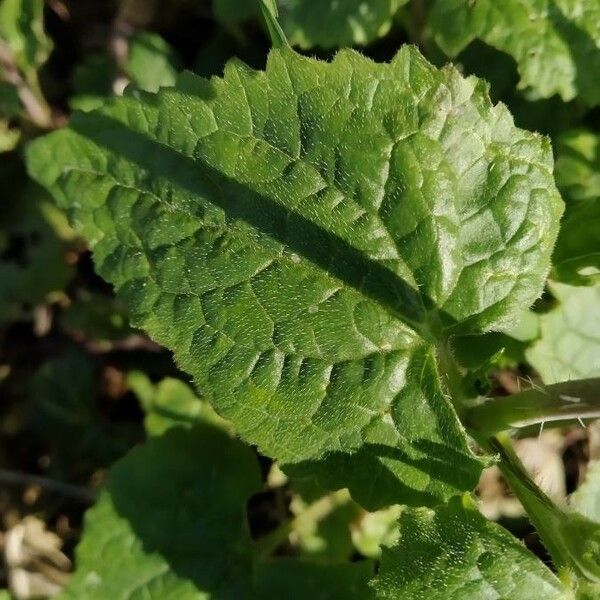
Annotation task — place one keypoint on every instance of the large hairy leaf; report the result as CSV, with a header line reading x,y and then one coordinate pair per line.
x,y
171,525
454,552
576,257
305,240
556,43
569,342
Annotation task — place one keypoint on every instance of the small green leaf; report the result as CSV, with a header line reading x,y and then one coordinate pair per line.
x,y
307,238
151,62
569,343
171,403
454,552
577,254
556,44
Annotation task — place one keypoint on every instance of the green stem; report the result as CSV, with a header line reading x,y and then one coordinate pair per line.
x,y
270,14
556,403
315,513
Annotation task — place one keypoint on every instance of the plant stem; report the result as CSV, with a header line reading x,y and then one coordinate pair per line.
x,y
30,94
316,512
543,513
66,489
557,403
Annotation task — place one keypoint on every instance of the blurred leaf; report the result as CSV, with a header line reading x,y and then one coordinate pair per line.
x,y
556,44
10,105
92,82
22,29
569,343
586,498
32,253
577,254
151,62
9,137
328,537
96,316
65,413
376,529
324,23
173,516
171,403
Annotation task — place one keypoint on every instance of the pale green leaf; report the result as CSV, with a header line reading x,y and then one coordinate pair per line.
x,y
577,254
9,137
556,43
305,239
22,30
151,62
171,525
569,343
454,552
171,403
586,499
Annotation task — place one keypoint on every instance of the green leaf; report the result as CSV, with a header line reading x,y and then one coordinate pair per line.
x,y
569,343
556,43
171,403
577,254
171,524
9,137
324,23
586,499
151,62
313,581
22,29
331,23
454,552
306,280
93,79
32,244
167,507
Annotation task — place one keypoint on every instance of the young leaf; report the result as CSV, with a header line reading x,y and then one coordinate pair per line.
x,y
569,343
172,525
556,44
454,552
576,257
305,239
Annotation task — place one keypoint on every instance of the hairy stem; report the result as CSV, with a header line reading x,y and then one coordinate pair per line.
x,y
556,403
